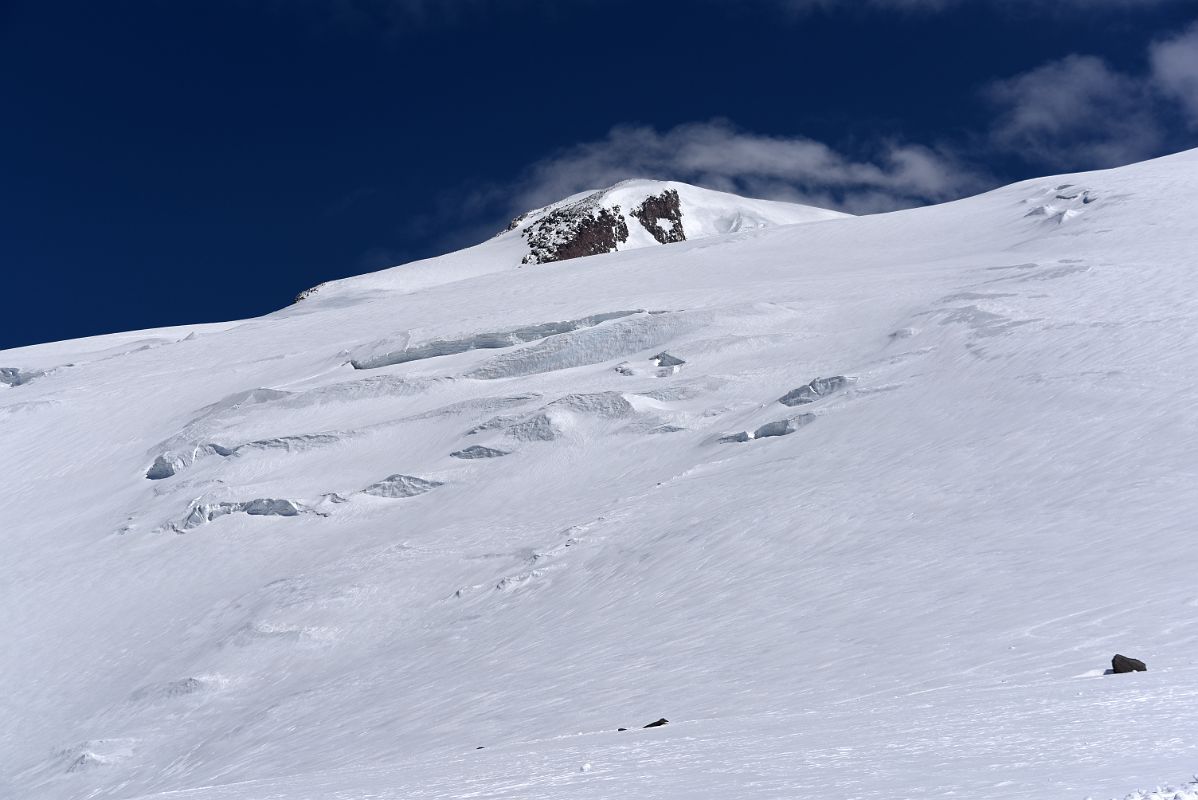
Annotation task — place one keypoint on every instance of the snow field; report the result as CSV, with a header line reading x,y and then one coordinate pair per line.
x,y
907,595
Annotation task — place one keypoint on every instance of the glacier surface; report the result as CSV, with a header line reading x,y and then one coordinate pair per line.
x,y
237,567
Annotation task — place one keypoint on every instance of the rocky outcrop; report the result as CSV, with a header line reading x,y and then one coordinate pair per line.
x,y
1121,664
582,229
588,227
645,213
661,216
306,293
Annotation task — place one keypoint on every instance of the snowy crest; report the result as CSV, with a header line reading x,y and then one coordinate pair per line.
x,y
642,213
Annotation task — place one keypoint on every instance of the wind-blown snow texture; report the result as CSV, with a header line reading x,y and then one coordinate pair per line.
x,y
236,566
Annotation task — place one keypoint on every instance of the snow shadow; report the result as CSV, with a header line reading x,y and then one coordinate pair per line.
x,y
781,427
492,340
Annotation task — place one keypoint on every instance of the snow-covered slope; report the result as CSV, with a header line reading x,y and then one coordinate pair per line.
x,y
627,216
330,552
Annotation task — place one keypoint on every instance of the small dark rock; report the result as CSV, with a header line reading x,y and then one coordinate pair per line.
x,y
1121,664
621,729
302,296
657,724
480,748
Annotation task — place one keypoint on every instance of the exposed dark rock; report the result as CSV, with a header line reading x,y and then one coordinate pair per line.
x,y
306,293
820,387
1121,664
587,228
657,724
621,729
661,216
582,229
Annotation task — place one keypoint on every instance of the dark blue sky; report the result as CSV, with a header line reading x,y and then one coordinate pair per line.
x,y
174,162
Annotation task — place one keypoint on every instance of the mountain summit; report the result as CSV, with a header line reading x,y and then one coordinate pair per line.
x,y
627,216
642,213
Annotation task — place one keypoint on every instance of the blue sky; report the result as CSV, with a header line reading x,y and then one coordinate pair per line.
x,y
174,162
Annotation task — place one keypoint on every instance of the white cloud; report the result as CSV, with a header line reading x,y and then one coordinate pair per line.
x,y
1175,70
720,156
1076,112
1080,112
